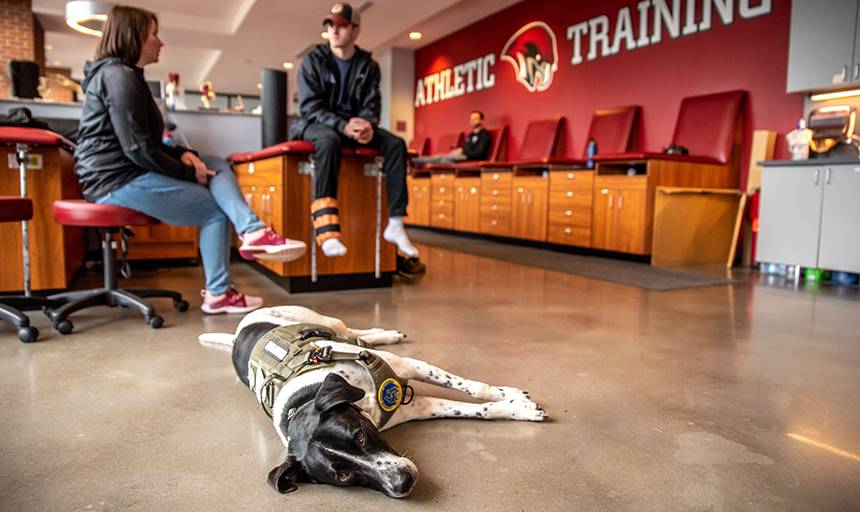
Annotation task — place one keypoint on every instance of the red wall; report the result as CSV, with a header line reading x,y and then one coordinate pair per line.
x,y
749,54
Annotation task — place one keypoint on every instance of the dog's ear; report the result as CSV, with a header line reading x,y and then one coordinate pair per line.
x,y
284,477
335,391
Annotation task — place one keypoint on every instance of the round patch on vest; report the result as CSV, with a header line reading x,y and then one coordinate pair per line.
x,y
390,395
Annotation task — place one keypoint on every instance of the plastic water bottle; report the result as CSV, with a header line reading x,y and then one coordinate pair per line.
x,y
592,151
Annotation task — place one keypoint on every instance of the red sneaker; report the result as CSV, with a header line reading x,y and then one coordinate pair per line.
x,y
229,302
271,246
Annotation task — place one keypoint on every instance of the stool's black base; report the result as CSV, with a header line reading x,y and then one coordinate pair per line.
x,y
130,297
13,306
328,282
110,295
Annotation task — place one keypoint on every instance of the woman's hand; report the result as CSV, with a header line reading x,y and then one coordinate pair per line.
x,y
200,171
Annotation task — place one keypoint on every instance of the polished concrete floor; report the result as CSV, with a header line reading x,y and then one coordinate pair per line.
x,y
725,398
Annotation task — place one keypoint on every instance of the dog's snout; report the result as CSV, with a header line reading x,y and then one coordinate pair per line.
x,y
402,482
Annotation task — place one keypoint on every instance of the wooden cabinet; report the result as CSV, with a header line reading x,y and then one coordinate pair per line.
x,y
467,204
620,214
56,251
529,207
824,47
267,202
278,190
442,200
809,216
569,211
496,202
418,210
163,242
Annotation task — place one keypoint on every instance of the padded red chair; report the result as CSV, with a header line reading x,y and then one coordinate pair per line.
x,y
708,126
17,209
419,146
614,130
107,220
498,152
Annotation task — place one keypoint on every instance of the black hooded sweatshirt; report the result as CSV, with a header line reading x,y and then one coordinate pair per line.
x,y
119,136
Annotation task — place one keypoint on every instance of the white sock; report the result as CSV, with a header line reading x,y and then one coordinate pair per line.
x,y
333,248
396,234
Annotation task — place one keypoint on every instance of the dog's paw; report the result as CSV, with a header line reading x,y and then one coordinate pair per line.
x,y
518,410
383,337
507,393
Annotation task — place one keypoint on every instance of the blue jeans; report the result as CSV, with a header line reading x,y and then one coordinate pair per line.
x,y
183,203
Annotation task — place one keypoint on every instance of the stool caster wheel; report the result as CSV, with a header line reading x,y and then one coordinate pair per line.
x,y
64,327
28,334
155,322
180,305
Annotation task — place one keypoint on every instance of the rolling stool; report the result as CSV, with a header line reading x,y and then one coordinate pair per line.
x,y
107,220
12,209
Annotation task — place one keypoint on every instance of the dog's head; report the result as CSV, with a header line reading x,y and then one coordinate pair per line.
x,y
332,442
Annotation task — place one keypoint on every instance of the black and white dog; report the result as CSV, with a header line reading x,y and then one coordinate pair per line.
x,y
329,417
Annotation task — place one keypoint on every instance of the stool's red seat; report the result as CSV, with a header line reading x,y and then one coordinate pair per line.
x,y
77,212
17,209
107,219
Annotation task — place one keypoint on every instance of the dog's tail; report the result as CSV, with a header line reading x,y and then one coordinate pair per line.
x,y
217,338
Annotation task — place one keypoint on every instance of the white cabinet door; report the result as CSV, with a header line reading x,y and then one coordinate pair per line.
x,y
790,215
821,48
840,219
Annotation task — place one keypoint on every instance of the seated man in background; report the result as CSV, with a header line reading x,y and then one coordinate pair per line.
x,y
476,147
339,104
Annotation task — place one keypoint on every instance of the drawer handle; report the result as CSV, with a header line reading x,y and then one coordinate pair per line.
x,y
620,202
474,190
570,194
495,176
568,213
493,223
495,207
441,215
567,231
441,190
442,203
251,168
570,175
495,192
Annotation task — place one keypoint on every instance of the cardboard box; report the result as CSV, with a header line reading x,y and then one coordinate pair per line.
x,y
693,225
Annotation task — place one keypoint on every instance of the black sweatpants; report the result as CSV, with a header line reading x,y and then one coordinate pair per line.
x,y
328,144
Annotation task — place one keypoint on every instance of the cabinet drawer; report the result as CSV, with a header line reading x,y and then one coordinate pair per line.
x,y
497,207
567,179
573,216
442,215
442,187
558,233
499,225
268,171
570,197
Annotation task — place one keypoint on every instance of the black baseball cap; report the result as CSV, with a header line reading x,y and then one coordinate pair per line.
x,y
343,15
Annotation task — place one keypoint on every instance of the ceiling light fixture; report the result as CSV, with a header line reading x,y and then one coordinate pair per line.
x,y
288,65
80,12
415,36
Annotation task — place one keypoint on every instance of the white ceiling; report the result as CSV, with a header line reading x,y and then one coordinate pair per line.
x,y
230,41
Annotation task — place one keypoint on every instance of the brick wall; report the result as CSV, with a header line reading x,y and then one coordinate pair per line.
x,y
17,38
55,90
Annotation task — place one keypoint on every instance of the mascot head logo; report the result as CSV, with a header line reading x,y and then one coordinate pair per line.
x,y
533,53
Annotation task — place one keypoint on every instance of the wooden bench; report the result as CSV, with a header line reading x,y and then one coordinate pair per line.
x,y
278,184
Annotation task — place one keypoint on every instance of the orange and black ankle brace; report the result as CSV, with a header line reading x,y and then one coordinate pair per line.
x,y
324,216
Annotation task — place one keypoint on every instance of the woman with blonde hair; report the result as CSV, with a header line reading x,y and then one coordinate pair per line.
x,y
120,160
